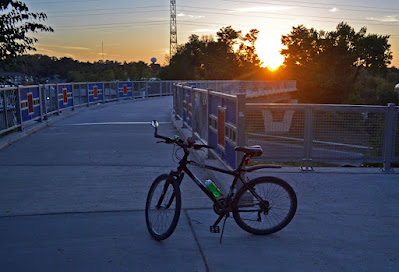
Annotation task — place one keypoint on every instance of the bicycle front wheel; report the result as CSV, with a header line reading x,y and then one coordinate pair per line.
x,y
267,209
162,209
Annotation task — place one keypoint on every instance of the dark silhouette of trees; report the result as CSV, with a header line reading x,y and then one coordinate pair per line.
x,y
16,22
327,65
43,68
231,56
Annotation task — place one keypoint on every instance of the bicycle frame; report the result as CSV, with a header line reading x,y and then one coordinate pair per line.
x,y
237,173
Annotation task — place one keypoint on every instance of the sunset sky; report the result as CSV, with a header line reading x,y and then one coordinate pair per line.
x,y
134,30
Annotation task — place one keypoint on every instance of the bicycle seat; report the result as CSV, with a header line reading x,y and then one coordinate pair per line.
x,y
253,151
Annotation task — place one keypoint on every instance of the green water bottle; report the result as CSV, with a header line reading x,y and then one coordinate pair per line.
x,y
212,187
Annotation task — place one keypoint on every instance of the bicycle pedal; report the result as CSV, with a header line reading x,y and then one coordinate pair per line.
x,y
214,229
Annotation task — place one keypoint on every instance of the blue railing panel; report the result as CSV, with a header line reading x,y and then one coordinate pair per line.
x,y
29,103
65,96
96,91
125,89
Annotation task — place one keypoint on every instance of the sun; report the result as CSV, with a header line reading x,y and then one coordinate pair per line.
x,y
269,53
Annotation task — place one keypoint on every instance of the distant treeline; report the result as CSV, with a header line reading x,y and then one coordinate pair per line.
x,y
341,66
44,69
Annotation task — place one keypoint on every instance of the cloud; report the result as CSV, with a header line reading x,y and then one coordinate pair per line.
x,y
206,30
385,19
262,9
333,10
76,48
190,16
65,47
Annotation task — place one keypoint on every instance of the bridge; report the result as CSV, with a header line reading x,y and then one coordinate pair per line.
x,y
73,196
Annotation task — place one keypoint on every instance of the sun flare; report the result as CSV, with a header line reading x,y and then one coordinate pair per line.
x,y
269,54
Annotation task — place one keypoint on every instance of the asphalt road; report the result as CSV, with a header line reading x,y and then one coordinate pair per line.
x,y
72,198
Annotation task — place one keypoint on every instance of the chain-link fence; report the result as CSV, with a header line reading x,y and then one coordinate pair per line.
x,y
339,134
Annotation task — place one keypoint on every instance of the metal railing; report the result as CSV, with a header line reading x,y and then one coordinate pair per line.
x,y
307,133
212,117
21,105
340,134
251,88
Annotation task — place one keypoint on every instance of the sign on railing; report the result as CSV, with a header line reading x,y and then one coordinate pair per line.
x,y
125,89
19,106
29,103
212,116
65,96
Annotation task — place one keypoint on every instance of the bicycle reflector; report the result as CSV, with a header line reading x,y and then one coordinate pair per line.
x,y
247,161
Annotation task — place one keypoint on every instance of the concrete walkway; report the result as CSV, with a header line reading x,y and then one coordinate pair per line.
x,y
72,198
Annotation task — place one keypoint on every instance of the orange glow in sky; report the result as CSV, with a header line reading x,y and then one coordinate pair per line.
x,y
133,30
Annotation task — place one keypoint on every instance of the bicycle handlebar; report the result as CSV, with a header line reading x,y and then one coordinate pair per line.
x,y
189,143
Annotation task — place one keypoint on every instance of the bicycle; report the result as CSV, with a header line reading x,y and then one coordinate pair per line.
x,y
260,206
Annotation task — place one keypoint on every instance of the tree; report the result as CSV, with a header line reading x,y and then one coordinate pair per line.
x,y
228,36
205,58
326,65
16,22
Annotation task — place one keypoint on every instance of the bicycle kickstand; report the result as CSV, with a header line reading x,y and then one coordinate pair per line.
x,y
224,223
215,228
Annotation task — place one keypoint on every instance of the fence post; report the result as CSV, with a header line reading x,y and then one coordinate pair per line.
x,y
57,99
5,108
240,117
207,116
389,137
117,90
19,109
41,102
87,94
73,98
146,89
174,96
308,138
45,102
191,100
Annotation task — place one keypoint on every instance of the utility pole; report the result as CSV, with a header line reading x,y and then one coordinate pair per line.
x,y
173,28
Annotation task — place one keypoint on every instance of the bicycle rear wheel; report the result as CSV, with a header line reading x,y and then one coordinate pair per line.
x,y
162,209
272,213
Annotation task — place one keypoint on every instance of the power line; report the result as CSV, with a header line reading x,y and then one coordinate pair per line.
x,y
123,9
282,18
109,13
302,5
112,25
57,2
332,4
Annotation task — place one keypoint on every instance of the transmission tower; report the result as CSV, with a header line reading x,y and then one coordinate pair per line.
x,y
173,28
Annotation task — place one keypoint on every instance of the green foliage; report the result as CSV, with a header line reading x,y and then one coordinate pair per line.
x,y
372,89
231,56
15,24
327,65
42,68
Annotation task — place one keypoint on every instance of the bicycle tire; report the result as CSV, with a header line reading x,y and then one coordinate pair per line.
x,y
162,221
249,214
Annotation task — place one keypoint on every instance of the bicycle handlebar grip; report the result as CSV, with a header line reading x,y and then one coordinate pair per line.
x,y
201,146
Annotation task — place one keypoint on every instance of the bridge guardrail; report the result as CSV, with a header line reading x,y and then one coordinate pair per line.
x,y
21,105
338,134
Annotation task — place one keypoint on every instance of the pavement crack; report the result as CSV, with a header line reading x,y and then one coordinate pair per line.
x,y
197,241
